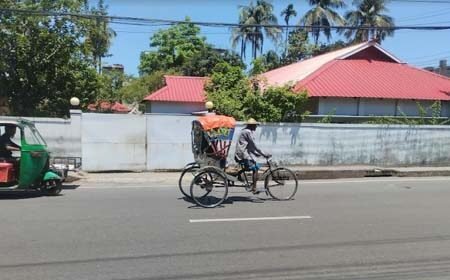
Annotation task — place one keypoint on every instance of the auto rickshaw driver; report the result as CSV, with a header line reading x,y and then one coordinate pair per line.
x,y
7,146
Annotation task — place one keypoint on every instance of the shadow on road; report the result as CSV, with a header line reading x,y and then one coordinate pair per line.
x,y
230,200
70,187
15,195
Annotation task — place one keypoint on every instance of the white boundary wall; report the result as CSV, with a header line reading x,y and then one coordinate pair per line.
x,y
169,141
155,142
113,142
63,136
347,144
169,144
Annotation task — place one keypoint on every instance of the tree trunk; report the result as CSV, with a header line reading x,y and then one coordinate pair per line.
x,y
99,64
242,48
286,44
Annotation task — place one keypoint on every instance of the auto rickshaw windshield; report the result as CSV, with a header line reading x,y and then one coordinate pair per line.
x,y
32,136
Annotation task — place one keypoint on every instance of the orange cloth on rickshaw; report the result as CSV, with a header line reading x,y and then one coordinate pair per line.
x,y
212,122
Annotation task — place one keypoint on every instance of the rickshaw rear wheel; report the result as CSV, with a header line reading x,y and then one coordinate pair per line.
x,y
186,177
209,188
51,187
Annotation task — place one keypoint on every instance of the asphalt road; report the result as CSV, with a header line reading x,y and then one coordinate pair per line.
x,y
358,229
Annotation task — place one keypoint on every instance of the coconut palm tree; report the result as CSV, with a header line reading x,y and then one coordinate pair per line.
x,y
241,35
369,15
288,13
253,19
322,14
99,35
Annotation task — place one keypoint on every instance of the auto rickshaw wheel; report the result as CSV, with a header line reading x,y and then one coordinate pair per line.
x,y
51,187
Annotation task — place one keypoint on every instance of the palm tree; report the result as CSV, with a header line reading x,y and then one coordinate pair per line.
x,y
322,14
240,35
369,15
252,19
99,35
288,13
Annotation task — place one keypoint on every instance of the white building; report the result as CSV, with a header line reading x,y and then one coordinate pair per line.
x,y
363,80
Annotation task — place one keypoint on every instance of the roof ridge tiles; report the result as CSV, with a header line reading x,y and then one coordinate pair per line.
x,y
426,71
185,77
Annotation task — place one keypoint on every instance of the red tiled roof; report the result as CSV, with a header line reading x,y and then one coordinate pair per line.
x,y
180,89
375,79
119,107
297,71
106,106
365,71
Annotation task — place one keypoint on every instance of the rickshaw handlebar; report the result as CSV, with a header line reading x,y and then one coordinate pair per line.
x,y
269,160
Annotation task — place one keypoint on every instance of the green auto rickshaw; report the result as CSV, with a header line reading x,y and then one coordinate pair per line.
x,y
27,165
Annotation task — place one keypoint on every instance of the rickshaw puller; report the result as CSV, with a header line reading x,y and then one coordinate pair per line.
x,y
246,148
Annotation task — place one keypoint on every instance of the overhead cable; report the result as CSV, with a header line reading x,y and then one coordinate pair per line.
x,y
156,22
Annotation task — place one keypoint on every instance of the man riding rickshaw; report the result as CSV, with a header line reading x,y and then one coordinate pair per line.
x,y
211,141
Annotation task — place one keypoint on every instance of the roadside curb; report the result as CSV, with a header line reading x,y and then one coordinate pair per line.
x,y
435,173
371,172
307,173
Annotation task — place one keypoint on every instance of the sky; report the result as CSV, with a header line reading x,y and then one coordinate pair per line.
x,y
419,48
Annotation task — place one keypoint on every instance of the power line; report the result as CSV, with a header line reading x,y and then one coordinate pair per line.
x,y
430,61
425,15
418,58
162,22
423,1
435,22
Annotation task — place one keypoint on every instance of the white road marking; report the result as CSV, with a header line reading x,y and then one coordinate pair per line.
x,y
249,219
370,180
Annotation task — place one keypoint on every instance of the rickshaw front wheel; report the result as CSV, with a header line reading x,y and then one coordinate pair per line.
x,y
51,187
281,183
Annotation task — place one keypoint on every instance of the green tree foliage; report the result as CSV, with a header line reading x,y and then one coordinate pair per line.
x,y
325,48
227,88
323,14
43,60
234,94
99,35
258,66
202,63
277,104
172,47
135,89
266,62
258,14
112,83
299,47
428,115
369,13
181,49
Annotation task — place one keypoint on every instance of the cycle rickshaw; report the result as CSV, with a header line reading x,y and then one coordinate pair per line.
x,y
206,181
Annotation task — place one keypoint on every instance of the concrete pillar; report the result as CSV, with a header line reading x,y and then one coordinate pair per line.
x,y
75,131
